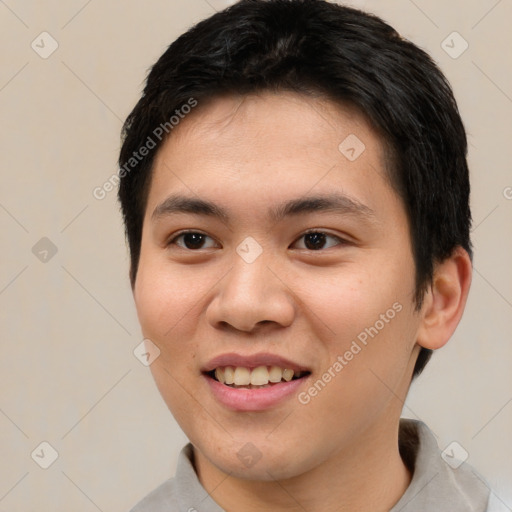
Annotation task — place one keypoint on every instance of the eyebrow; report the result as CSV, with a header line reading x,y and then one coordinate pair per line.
x,y
336,203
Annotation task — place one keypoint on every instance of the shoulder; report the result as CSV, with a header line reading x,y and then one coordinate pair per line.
x,y
160,499
182,493
440,482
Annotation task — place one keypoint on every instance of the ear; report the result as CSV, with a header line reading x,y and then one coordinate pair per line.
x,y
445,301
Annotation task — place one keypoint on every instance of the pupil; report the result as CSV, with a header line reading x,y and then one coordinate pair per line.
x,y
193,240
317,240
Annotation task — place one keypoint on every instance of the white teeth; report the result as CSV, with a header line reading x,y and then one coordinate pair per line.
x,y
275,374
259,376
229,374
219,375
287,375
242,376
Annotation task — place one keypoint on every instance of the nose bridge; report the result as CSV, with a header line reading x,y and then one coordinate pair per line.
x,y
250,279
251,294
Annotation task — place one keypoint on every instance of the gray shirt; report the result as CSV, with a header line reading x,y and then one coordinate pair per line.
x,y
438,484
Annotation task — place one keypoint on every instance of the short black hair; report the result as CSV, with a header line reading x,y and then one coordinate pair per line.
x,y
345,55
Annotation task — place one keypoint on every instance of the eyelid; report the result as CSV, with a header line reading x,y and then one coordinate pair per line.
x,y
172,239
341,240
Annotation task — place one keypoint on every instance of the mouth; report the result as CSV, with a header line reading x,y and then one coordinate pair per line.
x,y
259,377
255,382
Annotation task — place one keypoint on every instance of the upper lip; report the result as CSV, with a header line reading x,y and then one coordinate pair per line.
x,y
252,361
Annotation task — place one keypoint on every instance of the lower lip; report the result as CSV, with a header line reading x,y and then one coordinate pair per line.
x,y
242,399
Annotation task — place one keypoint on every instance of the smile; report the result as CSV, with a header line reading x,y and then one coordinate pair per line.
x,y
256,378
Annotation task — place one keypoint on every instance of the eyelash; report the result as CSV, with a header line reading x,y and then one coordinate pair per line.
x,y
172,241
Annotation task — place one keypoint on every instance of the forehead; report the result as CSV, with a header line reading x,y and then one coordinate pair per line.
x,y
254,120
269,143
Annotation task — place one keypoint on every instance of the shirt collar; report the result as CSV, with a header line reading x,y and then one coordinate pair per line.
x,y
435,485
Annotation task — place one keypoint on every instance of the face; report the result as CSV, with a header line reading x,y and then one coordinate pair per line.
x,y
273,238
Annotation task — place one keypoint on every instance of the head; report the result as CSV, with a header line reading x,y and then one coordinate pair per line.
x,y
267,102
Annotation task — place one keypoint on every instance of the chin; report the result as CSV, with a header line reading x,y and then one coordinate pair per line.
x,y
254,460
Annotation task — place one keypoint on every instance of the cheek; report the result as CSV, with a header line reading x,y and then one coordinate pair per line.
x,y
361,380
165,307
164,299
344,302
365,316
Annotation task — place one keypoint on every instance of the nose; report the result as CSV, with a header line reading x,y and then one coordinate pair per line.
x,y
250,297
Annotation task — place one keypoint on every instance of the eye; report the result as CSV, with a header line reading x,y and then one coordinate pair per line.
x,y
313,240
191,240
317,240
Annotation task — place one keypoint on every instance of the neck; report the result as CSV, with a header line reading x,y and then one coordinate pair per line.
x,y
368,475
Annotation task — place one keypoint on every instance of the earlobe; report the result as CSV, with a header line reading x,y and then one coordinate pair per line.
x,y
445,301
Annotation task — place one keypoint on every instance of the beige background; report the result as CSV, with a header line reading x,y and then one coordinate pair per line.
x,y
68,373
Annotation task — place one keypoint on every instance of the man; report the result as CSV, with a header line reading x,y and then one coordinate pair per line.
x,y
295,192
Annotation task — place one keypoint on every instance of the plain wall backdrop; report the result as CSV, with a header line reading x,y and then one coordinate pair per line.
x,y
68,374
